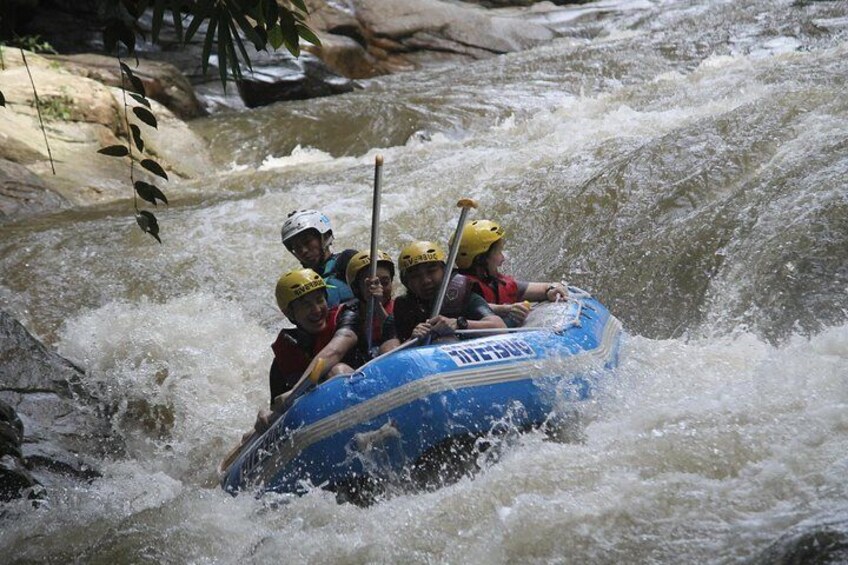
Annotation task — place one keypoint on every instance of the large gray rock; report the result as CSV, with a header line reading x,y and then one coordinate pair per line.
x,y
162,81
23,194
821,540
82,115
445,26
59,429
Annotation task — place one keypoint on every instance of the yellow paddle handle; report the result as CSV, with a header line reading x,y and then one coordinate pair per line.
x,y
315,374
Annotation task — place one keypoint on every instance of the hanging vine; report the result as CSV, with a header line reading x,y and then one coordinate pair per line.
x,y
227,24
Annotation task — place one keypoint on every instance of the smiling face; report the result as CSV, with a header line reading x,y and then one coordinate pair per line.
x,y
385,276
495,257
309,312
423,280
308,247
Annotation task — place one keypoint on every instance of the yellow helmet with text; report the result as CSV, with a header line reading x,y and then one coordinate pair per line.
x,y
296,284
477,237
417,253
362,260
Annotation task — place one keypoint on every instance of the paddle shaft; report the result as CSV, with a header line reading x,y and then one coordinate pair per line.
x,y
375,236
466,204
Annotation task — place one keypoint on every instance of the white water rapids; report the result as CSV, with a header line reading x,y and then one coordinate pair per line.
x,y
684,161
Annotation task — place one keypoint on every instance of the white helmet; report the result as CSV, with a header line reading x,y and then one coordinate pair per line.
x,y
301,220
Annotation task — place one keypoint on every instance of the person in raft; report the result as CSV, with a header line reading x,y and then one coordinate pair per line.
x,y
380,287
481,254
422,268
319,332
308,235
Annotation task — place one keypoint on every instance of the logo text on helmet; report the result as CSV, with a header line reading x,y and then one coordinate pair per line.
x,y
308,287
423,258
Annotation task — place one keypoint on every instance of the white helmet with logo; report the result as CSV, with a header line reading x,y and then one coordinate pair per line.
x,y
300,221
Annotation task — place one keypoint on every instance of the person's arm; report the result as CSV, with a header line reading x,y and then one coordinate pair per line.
x,y
389,344
332,353
376,291
477,313
540,292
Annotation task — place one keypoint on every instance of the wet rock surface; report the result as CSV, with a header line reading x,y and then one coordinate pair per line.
x,y
821,540
51,429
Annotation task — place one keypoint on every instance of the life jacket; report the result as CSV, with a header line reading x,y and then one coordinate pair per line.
x,y
292,359
376,325
496,290
360,354
338,291
409,311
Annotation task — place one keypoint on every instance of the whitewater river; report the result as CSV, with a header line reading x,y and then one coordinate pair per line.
x,y
685,161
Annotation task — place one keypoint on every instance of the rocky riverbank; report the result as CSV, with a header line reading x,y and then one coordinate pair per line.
x,y
52,429
83,108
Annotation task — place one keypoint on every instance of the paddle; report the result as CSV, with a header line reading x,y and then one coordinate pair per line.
x,y
375,235
466,204
303,385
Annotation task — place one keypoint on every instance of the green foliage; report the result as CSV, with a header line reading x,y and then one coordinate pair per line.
x,y
224,24
55,107
144,190
32,43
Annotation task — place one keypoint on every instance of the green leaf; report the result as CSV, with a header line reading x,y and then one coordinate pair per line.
x,y
242,49
199,16
135,8
140,99
300,5
271,12
263,40
223,41
134,80
145,116
126,70
138,86
125,35
237,15
158,16
307,34
275,36
154,168
290,37
207,43
136,135
236,66
177,18
110,38
149,192
115,151
148,224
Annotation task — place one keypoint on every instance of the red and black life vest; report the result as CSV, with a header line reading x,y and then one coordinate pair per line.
x,y
496,290
377,325
290,355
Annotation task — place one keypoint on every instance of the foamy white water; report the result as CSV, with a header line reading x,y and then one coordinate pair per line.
x,y
684,161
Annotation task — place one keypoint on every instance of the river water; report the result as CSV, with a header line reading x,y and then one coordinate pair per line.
x,y
684,161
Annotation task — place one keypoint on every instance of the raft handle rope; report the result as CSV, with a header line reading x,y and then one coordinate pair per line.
x,y
575,295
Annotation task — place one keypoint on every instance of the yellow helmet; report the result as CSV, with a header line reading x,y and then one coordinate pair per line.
x,y
295,284
477,237
362,260
417,253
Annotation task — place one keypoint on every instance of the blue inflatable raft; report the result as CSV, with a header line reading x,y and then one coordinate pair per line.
x,y
411,401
